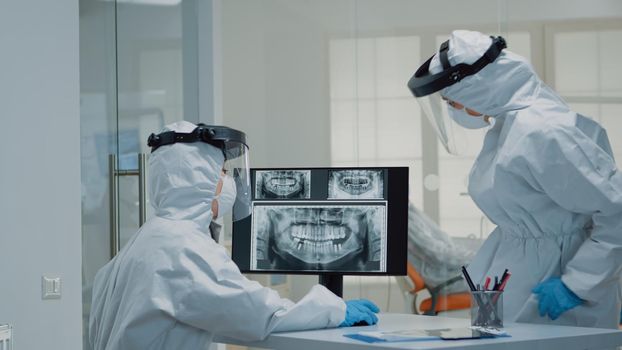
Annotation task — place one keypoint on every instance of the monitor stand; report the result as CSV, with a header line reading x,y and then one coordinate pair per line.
x,y
334,283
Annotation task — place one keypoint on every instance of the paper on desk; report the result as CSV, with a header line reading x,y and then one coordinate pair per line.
x,y
424,334
375,337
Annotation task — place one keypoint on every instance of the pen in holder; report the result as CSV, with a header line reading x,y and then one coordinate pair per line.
x,y
487,308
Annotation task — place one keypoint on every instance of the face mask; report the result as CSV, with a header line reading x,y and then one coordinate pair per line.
x,y
227,195
465,120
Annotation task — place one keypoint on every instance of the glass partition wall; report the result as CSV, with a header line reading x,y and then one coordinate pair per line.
x,y
323,83
320,83
315,83
139,71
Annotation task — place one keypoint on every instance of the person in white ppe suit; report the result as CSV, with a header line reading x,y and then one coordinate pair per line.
x,y
435,255
545,176
436,258
172,286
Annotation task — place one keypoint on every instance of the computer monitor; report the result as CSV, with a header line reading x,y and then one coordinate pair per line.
x,y
325,221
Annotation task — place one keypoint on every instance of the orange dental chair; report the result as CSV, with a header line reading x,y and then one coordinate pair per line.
x,y
437,302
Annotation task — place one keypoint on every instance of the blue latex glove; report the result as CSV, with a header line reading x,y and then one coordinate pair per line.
x,y
554,298
360,311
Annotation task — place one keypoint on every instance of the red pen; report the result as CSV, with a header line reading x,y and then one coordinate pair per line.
x,y
501,286
486,283
505,281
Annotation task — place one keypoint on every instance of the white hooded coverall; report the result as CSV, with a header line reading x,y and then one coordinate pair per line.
x,y
547,178
173,287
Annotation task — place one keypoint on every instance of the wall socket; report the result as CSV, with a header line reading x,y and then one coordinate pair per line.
x,y
50,287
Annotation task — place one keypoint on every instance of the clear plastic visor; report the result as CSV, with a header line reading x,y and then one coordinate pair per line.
x,y
237,166
456,139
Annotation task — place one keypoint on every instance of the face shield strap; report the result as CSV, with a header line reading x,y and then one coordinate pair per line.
x,y
227,139
423,83
442,54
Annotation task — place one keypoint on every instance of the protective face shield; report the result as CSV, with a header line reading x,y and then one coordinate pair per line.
x,y
426,86
233,145
226,198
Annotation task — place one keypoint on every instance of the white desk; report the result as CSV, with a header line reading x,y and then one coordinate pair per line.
x,y
523,336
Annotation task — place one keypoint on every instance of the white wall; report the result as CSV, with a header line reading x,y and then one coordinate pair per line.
x,y
40,171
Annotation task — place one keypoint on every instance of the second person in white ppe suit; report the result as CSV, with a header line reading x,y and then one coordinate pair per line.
x,y
545,176
173,287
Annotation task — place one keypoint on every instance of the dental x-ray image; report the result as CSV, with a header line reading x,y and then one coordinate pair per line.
x,y
355,184
283,184
319,238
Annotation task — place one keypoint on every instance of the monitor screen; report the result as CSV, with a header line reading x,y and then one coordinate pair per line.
x,y
325,220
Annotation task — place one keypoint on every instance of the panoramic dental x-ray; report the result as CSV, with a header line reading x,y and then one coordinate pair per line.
x,y
319,237
355,184
283,184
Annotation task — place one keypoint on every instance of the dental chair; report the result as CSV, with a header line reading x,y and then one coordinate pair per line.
x,y
412,285
434,262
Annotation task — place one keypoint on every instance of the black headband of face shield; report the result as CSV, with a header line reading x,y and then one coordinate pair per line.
x,y
227,139
423,83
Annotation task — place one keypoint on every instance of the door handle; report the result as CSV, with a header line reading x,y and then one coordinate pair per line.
x,y
114,207
114,174
142,183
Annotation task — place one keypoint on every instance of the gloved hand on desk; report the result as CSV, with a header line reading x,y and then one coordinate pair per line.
x,y
554,298
360,311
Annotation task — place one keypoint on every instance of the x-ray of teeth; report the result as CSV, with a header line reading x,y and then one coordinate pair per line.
x,y
355,184
319,238
283,184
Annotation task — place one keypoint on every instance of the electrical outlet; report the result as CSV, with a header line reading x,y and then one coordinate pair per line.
x,y
50,287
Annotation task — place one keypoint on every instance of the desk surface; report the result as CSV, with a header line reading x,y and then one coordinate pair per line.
x,y
523,336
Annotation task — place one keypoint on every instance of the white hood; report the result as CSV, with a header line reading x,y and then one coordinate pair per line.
x,y
509,83
183,178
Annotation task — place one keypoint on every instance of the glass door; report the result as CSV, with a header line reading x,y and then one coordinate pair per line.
x,y
99,139
150,82
138,73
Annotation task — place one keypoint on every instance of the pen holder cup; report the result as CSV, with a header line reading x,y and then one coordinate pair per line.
x,y
487,309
